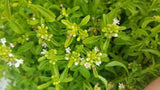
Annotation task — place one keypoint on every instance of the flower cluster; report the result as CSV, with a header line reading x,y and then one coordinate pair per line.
x,y
111,30
23,39
6,52
4,83
55,80
42,33
93,58
64,12
7,56
50,55
74,57
74,30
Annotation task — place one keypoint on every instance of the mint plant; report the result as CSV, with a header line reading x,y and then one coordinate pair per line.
x,y
79,44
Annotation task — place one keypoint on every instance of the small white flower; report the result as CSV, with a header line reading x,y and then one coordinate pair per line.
x,y
27,39
87,59
18,62
116,35
68,50
4,83
44,45
33,18
121,85
3,41
11,45
87,65
42,24
44,52
10,55
96,49
76,63
53,63
81,59
9,63
66,58
98,63
2,26
115,21
74,35
100,54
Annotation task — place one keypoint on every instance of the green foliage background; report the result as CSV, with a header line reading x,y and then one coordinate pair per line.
x,y
132,58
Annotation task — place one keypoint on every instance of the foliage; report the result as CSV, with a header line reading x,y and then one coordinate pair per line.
x,y
79,44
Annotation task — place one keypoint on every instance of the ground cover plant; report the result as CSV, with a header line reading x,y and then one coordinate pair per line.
x,y
79,44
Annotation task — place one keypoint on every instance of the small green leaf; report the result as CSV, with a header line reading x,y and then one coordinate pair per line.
x,y
68,42
85,20
64,74
25,47
116,63
147,20
68,79
44,85
47,14
84,72
16,27
103,80
91,40
156,52
67,23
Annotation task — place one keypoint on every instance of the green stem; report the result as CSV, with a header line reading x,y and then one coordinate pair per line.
x,y
57,87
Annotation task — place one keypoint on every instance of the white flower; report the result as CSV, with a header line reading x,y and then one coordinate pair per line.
x,y
116,35
74,35
81,59
76,63
100,54
44,45
115,21
11,45
121,85
9,63
10,55
66,58
96,49
18,62
98,63
27,39
68,50
87,59
33,18
3,41
4,83
2,26
87,65
44,51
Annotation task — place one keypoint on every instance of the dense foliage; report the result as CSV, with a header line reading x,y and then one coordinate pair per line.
x,y
79,44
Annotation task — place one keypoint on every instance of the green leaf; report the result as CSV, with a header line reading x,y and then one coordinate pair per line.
x,y
91,40
46,13
44,85
68,42
64,74
95,73
68,79
85,20
7,12
84,72
156,52
16,27
67,23
156,29
103,80
25,47
147,20
116,63
73,9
